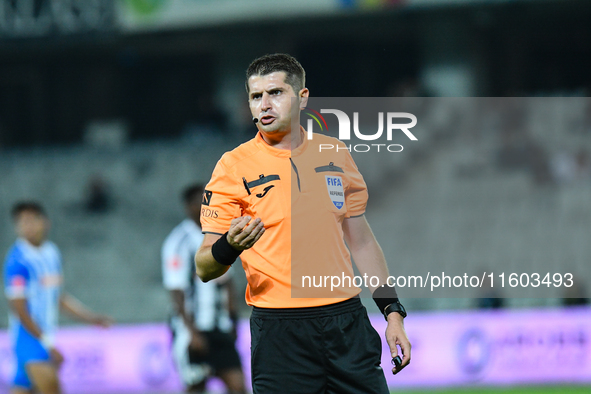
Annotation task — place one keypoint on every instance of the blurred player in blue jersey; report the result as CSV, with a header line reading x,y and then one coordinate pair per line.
x,y
203,322
33,281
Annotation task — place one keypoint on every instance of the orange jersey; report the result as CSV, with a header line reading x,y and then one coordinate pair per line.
x,y
302,197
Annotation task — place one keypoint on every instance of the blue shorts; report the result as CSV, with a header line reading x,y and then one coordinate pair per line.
x,y
28,349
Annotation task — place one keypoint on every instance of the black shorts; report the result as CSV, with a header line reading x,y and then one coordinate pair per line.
x,y
194,367
327,349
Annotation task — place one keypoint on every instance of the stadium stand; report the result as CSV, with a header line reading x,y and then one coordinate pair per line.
x,y
450,206
111,260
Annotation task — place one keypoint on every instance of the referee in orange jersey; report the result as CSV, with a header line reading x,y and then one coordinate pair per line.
x,y
282,206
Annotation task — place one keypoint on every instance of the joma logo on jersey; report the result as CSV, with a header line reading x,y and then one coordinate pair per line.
x,y
266,190
336,192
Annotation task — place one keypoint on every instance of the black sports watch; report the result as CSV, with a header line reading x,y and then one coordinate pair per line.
x,y
394,307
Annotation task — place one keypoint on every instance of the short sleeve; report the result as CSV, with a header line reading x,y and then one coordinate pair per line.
x,y
16,278
220,202
60,262
176,267
356,194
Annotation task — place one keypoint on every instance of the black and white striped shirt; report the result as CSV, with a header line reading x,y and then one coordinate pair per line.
x,y
208,302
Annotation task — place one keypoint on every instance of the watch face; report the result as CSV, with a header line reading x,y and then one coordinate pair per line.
x,y
402,310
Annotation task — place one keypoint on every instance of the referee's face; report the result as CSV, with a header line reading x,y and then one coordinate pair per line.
x,y
270,101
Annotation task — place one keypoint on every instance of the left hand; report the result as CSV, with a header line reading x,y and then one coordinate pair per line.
x,y
56,357
396,335
101,321
244,233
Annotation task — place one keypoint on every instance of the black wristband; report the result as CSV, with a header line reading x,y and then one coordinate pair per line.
x,y
223,252
384,296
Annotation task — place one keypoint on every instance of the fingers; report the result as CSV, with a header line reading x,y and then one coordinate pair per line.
x,y
243,235
246,235
405,349
258,235
105,322
102,321
396,336
237,225
392,344
252,233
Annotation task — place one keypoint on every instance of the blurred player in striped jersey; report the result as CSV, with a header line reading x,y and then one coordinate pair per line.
x,y
33,281
203,323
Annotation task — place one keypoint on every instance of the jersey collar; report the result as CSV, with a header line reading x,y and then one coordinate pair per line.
x,y
282,152
300,149
26,244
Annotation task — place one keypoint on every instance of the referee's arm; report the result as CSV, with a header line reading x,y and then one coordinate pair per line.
x,y
241,235
206,267
364,247
370,260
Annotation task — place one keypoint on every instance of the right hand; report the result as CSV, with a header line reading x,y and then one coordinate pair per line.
x,y
198,342
243,235
56,357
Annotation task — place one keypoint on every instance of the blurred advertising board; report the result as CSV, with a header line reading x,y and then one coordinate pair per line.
x,y
150,15
146,15
495,348
450,348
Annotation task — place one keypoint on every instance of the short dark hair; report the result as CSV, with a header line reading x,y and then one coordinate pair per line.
x,y
191,192
265,65
27,206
